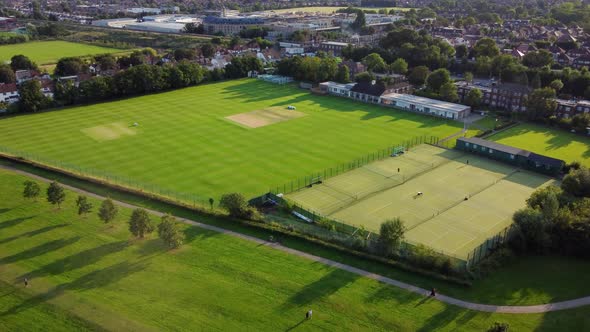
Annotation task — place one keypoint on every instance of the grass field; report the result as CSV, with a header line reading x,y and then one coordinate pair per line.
x,y
441,218
185,144
49,52
85,275
328,10
551,142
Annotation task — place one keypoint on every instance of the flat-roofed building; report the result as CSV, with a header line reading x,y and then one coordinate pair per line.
x,y
426,105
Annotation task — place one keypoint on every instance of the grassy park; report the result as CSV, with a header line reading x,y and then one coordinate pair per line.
x,y
85,275
49,52
543,140
189,131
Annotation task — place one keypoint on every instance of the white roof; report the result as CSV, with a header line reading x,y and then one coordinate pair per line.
x,y
433,103
335,43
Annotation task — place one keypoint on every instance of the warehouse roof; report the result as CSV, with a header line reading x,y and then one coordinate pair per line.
x,y
546,160
495,146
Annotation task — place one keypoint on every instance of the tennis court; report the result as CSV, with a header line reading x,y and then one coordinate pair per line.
x,y
465,199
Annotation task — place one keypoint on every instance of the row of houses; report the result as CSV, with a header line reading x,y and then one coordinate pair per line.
x,y
395,96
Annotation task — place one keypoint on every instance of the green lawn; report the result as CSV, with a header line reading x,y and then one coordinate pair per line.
x,y
185,144
49,52
551,142
87,275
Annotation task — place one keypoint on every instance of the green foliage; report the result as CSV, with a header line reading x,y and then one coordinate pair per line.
x,y
418,75
169,233
359,22
21,62
235,203
474,97
391,235
31,190
240,66
31,98
532,225
399,66
56,194
486,47
70,66
140,223
108,211
577,182
184,53
84,205
556,85
7,74
343,74
375,63
499,327
364,77
541,104
437,79
448,92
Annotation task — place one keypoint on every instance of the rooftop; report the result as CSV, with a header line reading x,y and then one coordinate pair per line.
x,y
495,146
439,104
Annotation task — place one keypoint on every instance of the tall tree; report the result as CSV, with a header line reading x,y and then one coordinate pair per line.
x,y
399,66
418,75
486,47
391,235
70,66
107,211
448,92
140,223
31,190
343,75
541,104
21,62
31,97
474,97
375,63
169,233
56,194
359,22
84,206
6,74
437,79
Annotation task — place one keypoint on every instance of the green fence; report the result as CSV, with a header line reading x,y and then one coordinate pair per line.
x,y
97,175
327,173
492,243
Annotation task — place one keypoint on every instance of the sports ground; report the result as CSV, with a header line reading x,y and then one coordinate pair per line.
x,y
185,143
49,52
547,141
465,199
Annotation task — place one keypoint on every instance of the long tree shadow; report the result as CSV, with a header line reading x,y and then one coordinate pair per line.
x,y
92,280
32,233
449,314
325,286
14,222
39,250
3,210
76,261
387,293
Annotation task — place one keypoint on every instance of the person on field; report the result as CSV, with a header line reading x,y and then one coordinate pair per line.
x,y
308,314
26,282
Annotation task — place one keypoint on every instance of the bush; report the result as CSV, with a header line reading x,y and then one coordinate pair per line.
x,y
499,327
493,262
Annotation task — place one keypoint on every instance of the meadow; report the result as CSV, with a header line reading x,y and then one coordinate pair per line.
x,y
49,52
185,142
85,275
547,141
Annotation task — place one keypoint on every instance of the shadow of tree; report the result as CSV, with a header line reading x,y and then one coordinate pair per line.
x,y
4,210
13,222
450,314
295,326
325,286
77,260
39,250
95,279
32,233
388,293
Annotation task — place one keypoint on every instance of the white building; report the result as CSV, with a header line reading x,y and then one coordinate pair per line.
x,y
157,27
8,93
426,105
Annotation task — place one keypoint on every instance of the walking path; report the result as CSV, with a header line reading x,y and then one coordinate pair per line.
x,y
583,301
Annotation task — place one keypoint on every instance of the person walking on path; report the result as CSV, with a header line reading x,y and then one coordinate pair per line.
x,y
433,292
26,282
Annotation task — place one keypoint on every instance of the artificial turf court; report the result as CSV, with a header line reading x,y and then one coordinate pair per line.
x,y
547,141
48,52
185,144
440,218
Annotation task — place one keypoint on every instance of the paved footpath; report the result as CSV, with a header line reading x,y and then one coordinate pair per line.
x,y
532,309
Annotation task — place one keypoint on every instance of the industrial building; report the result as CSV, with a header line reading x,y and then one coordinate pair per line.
x,y
511,155
230,25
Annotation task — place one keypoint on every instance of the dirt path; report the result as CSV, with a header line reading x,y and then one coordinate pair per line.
x,y
531,309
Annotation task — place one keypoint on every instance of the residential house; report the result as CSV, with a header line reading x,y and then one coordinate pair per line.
x,y
8,93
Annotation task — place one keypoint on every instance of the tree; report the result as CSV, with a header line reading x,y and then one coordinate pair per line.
x,y
556,85
7,74
235,204
107,211
194,28
31,190
364,77
211,201
56,194
541,104
375,63
448,92
106,62
84,206
437,79
359,22
418,75
70,66
399,66
474,97
169,233
21,62
31,97
208,50
536,82
469,77
391,234
184,53
486,47
577,182
499,327
538,59
140,223
461,51
343,74
531,224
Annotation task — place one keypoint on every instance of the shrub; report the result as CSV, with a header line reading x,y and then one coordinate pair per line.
x,y
499,327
